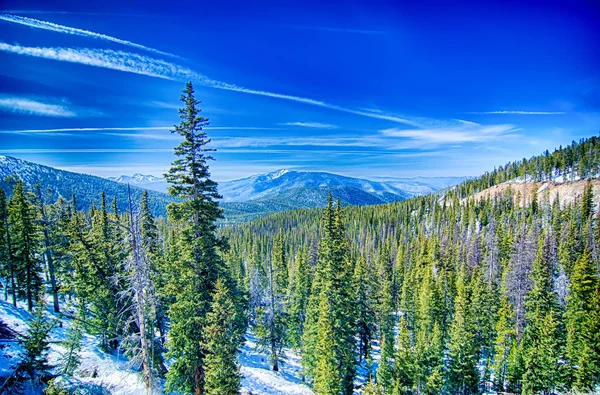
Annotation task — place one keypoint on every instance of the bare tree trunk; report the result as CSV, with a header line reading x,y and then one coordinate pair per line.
x,y
138,281
48,254
10,259
272,320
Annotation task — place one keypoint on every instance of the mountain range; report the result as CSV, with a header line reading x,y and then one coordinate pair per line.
x,y
86,188
243,199
268,185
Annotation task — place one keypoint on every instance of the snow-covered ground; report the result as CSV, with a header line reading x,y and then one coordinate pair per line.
x,y
106,373
259,379
101,371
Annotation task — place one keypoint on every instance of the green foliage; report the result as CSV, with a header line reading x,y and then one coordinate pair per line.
x,y
25,244
327,371
197,265
298,300
543,336
71,359
222,341
36,344
580,316
462,373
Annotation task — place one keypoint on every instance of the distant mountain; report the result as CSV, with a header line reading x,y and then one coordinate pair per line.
x,y
244,199
151,182
276,184
417,186
86,188
255,196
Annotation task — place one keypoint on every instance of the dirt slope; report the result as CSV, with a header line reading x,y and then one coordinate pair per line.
x,y
568,192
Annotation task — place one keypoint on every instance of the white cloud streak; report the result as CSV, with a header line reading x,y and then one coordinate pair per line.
x,y
469,132
34,107
517,112
38,24
316,125
125,129
139,64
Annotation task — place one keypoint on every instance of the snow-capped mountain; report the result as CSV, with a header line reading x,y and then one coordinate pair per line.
x,y
244,199
270,185
137,178
151,182
86,188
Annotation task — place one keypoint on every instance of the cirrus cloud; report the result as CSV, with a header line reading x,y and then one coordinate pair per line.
x,y
25,105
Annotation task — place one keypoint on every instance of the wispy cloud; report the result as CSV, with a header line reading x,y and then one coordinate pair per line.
x,y
82,150
126,129
461,133
38,24
338,29
139,64
517,112
86,129
34,107
316,125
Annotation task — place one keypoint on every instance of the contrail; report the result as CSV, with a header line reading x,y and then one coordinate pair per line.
x,y
37,24
140,64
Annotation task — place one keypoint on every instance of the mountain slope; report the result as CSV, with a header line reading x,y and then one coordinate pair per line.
x,y
270,185
86,188
150,182
245,199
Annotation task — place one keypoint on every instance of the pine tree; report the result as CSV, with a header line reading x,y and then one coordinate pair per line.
x,y
36,345
271,328
298,300
542,338
462,375
222,372
46,226
194,275
404,364
505,329
327,371
385,369
365,314
588,372
71,359
7,264
25,244
515,367
580,309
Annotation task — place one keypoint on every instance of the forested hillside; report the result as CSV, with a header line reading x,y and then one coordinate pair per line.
x,y
441,294
54,183
459,294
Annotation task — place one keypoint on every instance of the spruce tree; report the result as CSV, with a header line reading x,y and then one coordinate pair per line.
x,y
298,300
365,315
7,263
71,359
222,372
25,244
36,345
194,274
462,375
505,340
404,361
327,371
542,339
580,309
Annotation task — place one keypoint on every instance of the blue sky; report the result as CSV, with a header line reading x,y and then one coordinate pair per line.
x,y
367,89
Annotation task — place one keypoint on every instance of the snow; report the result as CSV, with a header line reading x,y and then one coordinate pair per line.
x,y
259,379
112,372
102,372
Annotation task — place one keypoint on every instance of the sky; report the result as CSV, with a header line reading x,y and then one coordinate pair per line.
x,y
366,89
